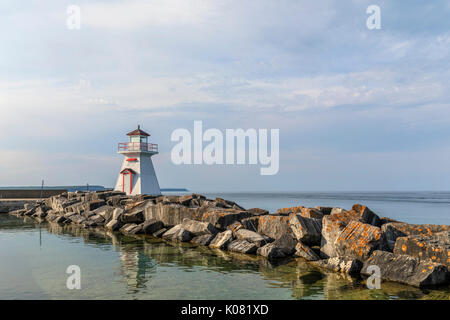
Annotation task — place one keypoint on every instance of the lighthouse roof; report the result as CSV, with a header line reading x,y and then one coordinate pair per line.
x,y
138,132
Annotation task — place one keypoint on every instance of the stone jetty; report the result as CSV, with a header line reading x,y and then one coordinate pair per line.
x,y
341,240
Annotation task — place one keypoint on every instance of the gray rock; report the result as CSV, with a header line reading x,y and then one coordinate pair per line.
x,y
303,251
76,218
340,264
59,219
126,228
87,214
280,248
203,240
186,200
94,204
151,226
325,210
117,213
137,230
306,230
198,228
393,230
274,226
69,214
407,269
97,220
178,233
435,248
136,216
251,236
367,215
271,252
113,225
332,226
257,211
105,211
242,246
358,240
250,223
159,233
337,210
222,240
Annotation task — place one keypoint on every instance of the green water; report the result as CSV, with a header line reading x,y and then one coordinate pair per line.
x,y
34,258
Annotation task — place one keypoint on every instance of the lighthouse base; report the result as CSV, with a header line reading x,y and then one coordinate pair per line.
x,y
137,175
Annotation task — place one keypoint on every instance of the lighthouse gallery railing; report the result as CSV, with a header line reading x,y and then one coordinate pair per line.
x,y
137,146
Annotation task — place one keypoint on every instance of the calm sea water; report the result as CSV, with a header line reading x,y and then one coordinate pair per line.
x,y
411,207
34,258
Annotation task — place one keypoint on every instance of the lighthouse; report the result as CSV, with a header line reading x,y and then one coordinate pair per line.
x,y
137,175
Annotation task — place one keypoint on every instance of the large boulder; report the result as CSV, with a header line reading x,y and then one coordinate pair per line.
x,y
151,226
435,248
170,214
325,210
177,233
113,225
76,218
271,252
93,204
222,203
358,240
198,228
127,228
303,251
282,247
160,233
367,215
105,211
222,218
274,226
306,230
406,269
253,237
332,226
174,213
97,220
222,240
242,246
302,211
289,210
393,230
59,219
258,211
203,240
340,264
134,212
250,223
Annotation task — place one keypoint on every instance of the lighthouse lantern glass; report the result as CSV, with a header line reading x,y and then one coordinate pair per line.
x,y
141,139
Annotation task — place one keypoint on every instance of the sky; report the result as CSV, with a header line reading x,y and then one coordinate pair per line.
x,y
357,109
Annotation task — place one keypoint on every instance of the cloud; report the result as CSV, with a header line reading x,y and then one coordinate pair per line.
x,y
126,15
311,69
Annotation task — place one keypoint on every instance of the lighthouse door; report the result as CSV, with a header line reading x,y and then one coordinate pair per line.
x,y
127,180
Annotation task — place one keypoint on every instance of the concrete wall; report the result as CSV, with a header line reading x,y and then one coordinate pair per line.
x,y
28,193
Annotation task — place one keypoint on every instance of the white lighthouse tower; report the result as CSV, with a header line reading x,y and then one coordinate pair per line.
x,y
137,175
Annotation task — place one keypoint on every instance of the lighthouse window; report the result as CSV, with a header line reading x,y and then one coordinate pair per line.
x,y
143,139
134,139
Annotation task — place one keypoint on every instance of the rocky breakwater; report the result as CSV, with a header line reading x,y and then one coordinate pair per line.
x,y
348,241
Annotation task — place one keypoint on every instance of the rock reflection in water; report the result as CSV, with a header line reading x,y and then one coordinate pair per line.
x,y
141,259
